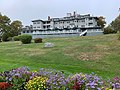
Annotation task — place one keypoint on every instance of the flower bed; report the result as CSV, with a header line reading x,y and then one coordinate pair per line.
x,y
48,79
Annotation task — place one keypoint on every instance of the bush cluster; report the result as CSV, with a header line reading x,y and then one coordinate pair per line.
x,y
108,30
16,38
48,79
25,38
38,40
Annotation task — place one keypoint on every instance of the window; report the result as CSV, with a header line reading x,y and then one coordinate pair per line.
x,y
23,31
38,27
90,18
90,24
34,22
74,21
38,22
27,31
34,27
68,22
82,25
82,20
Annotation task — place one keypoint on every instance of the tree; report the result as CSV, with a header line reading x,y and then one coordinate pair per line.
x,y
113,27
4,24
8,28
16,27
101,21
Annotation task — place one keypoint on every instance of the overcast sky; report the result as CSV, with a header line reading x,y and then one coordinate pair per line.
x,y
27,10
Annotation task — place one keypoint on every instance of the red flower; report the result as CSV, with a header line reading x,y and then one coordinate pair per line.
x,y
4,85
76,86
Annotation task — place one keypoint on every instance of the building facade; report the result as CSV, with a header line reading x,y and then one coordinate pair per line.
x,y
71,25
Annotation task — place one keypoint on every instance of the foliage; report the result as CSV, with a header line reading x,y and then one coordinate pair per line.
x,y
49,79
36,83
4,26
5,37
25,38
4,23
0,40
16,38
16,27
17,77
109,30
85,82
113,27
9,38
8,27
118,35
101,21
38,40
56,79
4,85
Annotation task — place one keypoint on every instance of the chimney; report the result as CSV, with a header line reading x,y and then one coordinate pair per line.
x,y
49,18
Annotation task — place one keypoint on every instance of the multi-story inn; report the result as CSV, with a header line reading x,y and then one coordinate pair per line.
x,y
71,25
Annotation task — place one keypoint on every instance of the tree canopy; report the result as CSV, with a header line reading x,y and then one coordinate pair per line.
x,y
9,28
113,27
101,21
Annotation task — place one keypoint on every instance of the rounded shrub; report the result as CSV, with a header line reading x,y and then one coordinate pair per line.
x,y
25,38
38,40
16,38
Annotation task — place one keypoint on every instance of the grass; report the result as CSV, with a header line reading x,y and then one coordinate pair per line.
x,y
99,54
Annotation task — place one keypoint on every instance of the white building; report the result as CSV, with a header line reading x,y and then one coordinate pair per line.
x,y
71,25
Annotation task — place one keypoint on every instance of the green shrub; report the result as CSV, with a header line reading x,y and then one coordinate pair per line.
x,y
38,40
9,38
16,38
25,38
5,37
109,30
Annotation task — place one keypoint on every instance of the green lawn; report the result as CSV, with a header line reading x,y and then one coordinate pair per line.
x,y
99,54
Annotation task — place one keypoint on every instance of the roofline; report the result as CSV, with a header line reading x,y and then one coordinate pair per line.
x,y
37,20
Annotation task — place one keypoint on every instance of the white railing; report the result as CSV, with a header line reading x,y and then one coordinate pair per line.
x,y
56,32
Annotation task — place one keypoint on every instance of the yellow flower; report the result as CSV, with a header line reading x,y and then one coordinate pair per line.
x,y
36,83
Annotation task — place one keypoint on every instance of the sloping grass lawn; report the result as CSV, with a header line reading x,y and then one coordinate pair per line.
x,y
99,54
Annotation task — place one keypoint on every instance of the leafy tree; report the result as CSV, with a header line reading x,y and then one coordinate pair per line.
x,y
16,27
113,27
4,24
9,28
101,21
